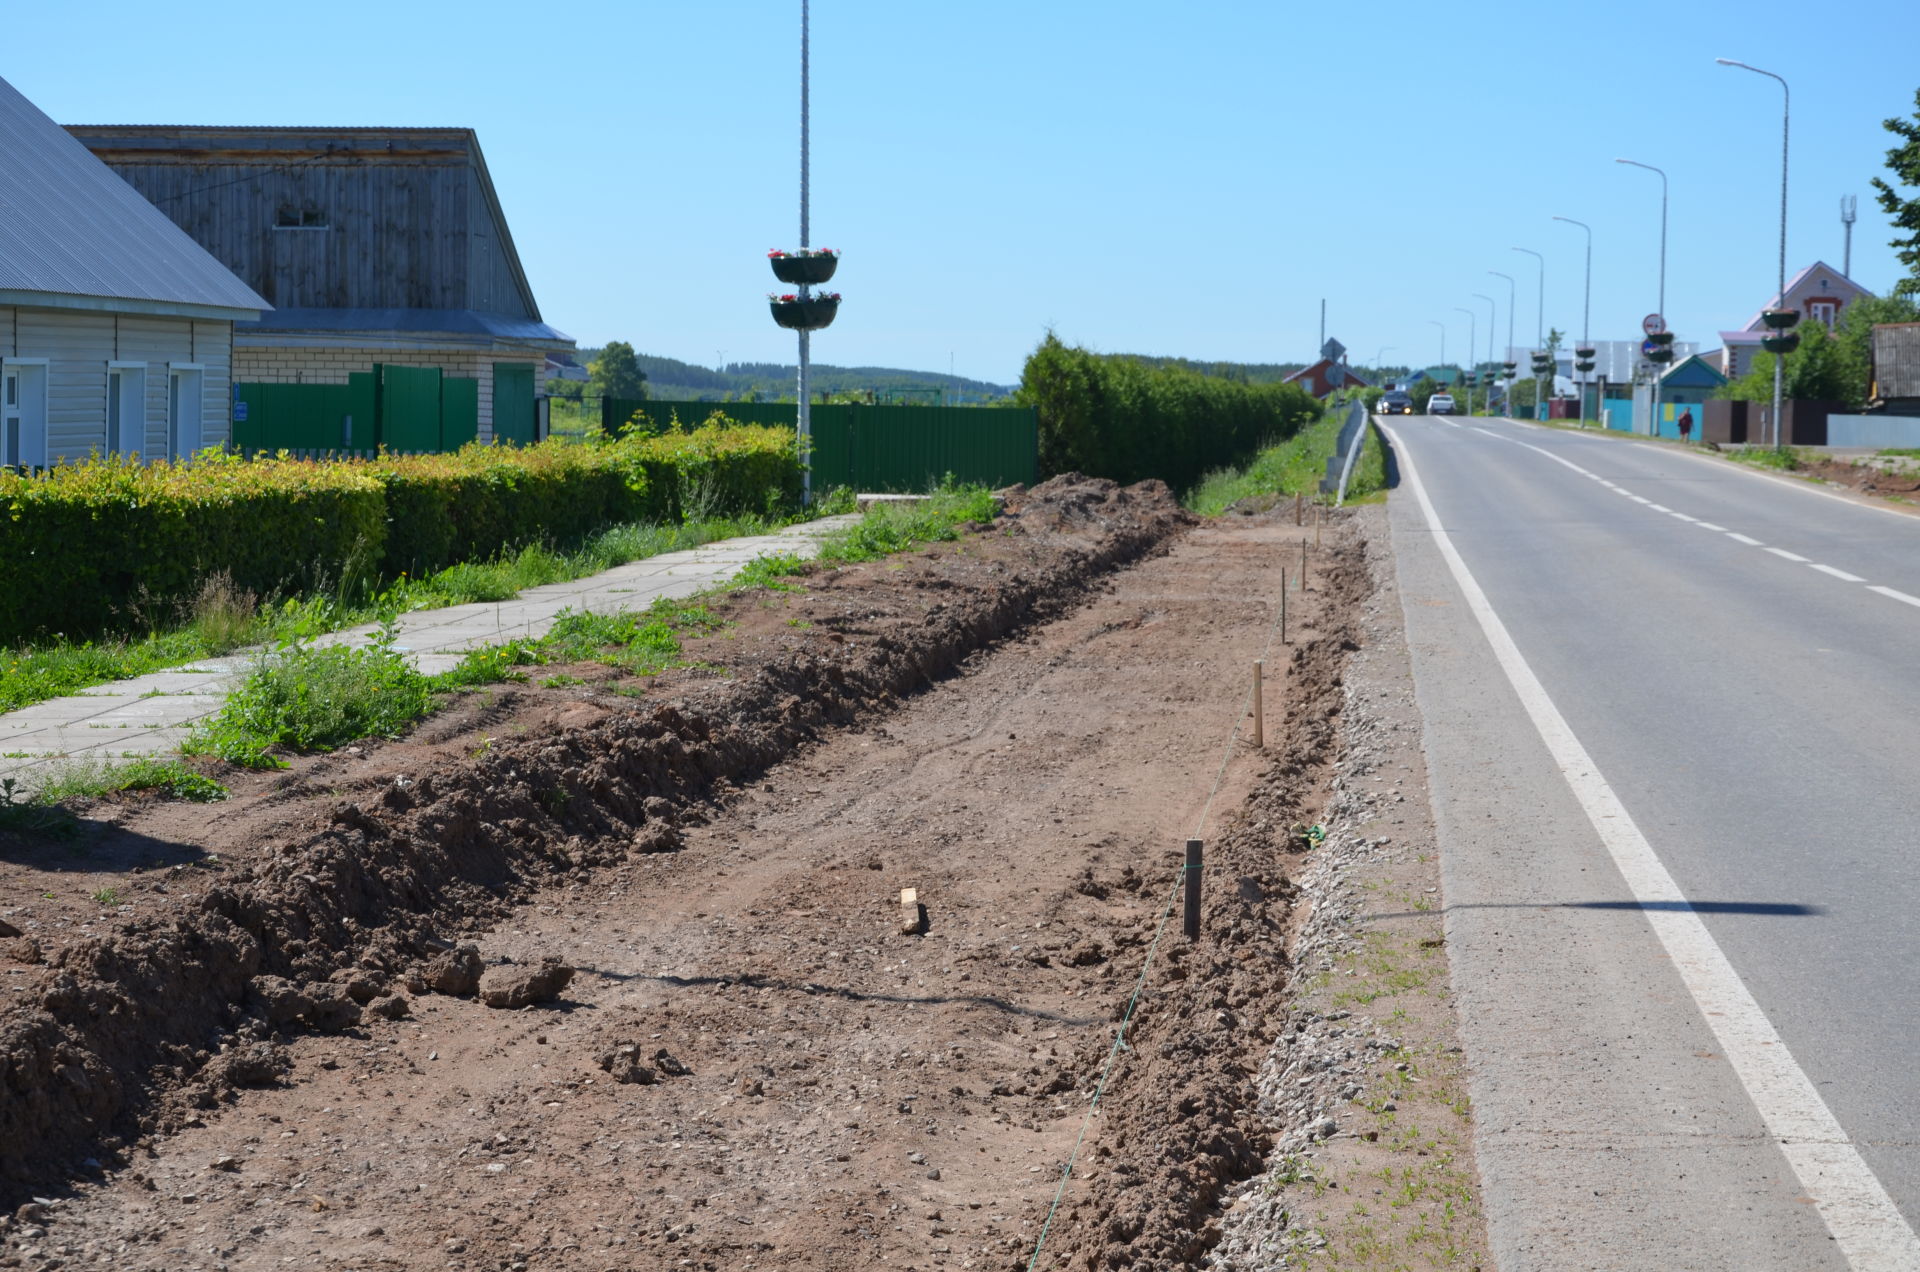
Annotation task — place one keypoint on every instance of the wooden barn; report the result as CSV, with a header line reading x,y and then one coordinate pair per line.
x,y
374,246
116,329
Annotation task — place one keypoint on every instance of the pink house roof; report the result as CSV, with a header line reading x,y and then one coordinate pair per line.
x,y
1844,287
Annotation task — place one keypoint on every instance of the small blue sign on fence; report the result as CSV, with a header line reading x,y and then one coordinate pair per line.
x,y
239,412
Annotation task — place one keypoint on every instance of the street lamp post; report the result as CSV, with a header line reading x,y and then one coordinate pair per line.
x,y
1472,340
1662,310
1380,357
1786,113
1508,361
1493,322
1539,318
1443,340
1586,311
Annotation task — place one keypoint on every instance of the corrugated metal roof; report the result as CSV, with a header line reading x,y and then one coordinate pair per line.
x,y
70,227
463,322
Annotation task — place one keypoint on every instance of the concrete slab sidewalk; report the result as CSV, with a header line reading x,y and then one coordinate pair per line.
x,y
151,714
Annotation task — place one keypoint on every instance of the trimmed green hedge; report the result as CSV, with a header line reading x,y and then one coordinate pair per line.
x,y
84,546
1118,418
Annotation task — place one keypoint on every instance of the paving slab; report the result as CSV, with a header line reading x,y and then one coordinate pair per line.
x,y
149,714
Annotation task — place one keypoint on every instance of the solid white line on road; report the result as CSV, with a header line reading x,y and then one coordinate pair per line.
x,y
1684,517
1749,540
1838,574
1791,556
1640,499
1659,507
1898,596
1708,525
1865,1223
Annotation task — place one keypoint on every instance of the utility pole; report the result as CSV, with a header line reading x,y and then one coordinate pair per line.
x,y
1323,324
1849,212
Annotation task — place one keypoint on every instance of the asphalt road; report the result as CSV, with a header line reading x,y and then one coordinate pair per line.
x,y
1729,675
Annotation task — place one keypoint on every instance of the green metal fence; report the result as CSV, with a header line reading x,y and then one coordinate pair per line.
x,y
408,410
895,449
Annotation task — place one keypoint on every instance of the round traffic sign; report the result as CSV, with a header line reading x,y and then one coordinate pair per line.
x,y
1653,324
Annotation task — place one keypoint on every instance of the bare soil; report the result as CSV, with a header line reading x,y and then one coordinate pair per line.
x,y
755,1062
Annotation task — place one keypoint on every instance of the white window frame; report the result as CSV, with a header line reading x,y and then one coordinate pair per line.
x,y
1823,311
131,401
179,373
19,443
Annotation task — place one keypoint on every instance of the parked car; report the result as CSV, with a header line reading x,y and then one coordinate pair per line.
x,y
1395,403
1440,404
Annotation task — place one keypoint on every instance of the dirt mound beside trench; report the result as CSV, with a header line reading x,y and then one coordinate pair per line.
x,y
131,1030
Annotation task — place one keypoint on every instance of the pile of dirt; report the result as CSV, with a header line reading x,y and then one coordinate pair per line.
x,y
1866,477
328,909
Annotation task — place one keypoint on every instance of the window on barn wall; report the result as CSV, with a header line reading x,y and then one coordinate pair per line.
x,y
292,218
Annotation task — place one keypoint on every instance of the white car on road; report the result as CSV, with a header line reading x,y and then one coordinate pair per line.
x,y
1440,404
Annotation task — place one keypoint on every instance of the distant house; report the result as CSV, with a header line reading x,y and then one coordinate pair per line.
x,y
374,245
1690,381
1819,292
1325,377
561,366
116,329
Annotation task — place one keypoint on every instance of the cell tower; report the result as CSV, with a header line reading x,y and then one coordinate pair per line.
x,y
1849,212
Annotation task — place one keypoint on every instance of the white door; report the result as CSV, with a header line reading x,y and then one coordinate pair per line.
x,y
23,415
184,408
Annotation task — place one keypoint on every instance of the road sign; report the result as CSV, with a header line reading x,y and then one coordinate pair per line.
x,y
1653,324
1647,347
1332,350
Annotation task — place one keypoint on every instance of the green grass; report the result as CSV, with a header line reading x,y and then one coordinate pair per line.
x,y
309,698
1784,459
890,528
220,620
1293,467
170,778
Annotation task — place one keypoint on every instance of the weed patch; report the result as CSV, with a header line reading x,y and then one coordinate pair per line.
x,y
1294,467
170,778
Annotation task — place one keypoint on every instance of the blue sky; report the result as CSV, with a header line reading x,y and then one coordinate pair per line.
x,y
1156,178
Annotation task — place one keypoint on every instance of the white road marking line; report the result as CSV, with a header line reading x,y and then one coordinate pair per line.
x,y
1640,499
1708,525
1791,556
1865,1223
1898,596
1842,575
1478,429
1684,517
1659,507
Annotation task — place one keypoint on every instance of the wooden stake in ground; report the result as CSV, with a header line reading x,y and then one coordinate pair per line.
x,y
1192,916
1259,715
909,912
1283,606
1316,524
1296,509
1303,565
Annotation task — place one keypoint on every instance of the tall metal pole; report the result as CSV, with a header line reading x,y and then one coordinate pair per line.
x,y
1493,325
1509,358
1539,322
806,292
1786,113
1443,339
1586,310
1657,374
1849,213
1473,342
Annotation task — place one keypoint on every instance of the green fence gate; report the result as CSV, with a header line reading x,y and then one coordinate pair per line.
x,y
879,449
406,410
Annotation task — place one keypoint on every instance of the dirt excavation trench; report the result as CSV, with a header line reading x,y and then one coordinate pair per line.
x,y
752,1065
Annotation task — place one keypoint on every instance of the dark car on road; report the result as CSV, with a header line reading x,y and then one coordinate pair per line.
x,y
1394,403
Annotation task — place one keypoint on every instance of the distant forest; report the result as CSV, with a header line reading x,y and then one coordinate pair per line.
x,y
670,380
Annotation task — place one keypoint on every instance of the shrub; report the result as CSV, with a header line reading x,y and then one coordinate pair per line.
x,y
89,545
1119,418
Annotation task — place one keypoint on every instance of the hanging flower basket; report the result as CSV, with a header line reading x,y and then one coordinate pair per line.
x,y
1584,352
811,266
811,314
1779,319
1780,341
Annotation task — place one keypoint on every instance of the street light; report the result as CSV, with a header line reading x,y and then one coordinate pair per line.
x,y
1662,310
1539,316
1507,363
1380,357
1472,340
1493,321
1586,313
1786,112
1443,341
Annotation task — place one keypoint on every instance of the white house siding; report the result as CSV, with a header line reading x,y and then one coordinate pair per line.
x,y
78,345
320,364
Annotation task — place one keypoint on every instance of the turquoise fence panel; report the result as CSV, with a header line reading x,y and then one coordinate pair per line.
x,y
1620,414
